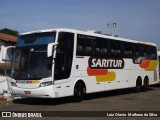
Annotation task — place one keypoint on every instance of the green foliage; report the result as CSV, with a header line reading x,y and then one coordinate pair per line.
x,y
9,31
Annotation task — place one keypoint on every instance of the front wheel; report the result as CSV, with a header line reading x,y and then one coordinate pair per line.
x,y
78,92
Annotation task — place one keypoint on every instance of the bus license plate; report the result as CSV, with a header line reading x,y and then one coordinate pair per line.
x,y
27,92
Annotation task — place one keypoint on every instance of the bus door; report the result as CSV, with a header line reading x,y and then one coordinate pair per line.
x,y
63,61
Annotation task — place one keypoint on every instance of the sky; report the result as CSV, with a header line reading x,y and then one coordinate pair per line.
x,y
136,19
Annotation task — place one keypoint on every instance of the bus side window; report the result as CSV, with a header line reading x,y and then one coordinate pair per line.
x,y
79,49
80,45
137,51
128,50
89,47
146,52
153,53
97,46
115,48
105,47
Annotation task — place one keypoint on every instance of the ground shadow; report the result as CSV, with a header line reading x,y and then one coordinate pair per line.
x,y
43,101
113,93
156,85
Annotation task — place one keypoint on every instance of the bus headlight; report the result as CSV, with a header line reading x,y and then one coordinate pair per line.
x,y
43,84
14,84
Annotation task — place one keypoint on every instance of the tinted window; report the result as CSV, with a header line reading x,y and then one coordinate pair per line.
x,y
105,48
85,45
137,50
88,46
64,56
98,46
128,50
36,39
115,48
153,53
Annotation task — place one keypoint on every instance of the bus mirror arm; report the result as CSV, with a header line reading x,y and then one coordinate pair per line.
x,y
50,49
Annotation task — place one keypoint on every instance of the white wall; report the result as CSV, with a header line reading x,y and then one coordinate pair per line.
x,y
3,84
2,46
3,78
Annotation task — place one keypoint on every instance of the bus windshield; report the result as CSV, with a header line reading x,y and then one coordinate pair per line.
x,y
36,39
31,63
30,57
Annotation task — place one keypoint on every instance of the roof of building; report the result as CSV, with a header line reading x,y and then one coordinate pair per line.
x,y
8,38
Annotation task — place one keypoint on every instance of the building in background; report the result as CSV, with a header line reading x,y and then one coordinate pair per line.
x,y
5,40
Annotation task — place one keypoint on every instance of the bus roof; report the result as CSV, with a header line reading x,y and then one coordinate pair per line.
x,y
89,33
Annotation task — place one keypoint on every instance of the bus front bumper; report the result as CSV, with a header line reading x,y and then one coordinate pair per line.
x,y
41,92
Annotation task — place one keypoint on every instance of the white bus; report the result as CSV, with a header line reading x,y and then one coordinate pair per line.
x,y
64,62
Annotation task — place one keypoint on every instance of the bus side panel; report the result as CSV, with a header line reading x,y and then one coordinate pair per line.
x,y
121,80
63,89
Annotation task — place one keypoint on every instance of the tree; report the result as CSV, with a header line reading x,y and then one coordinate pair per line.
x,y
9,31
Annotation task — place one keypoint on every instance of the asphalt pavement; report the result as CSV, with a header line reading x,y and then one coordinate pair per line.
x,y
117,104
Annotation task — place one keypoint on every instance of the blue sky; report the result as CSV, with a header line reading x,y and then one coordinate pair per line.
x,y
136,19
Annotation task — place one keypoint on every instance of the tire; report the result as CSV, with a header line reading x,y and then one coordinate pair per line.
x,y
78,92
145,85
138,85
138,88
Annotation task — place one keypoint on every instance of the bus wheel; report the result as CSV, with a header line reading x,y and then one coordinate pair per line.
x,y
79,92
145,84
138,85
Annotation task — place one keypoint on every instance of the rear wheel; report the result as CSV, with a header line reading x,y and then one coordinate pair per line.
x,y
145,84
138,85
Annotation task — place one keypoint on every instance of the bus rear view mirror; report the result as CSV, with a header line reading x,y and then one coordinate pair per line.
x,y
50,49
7,54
